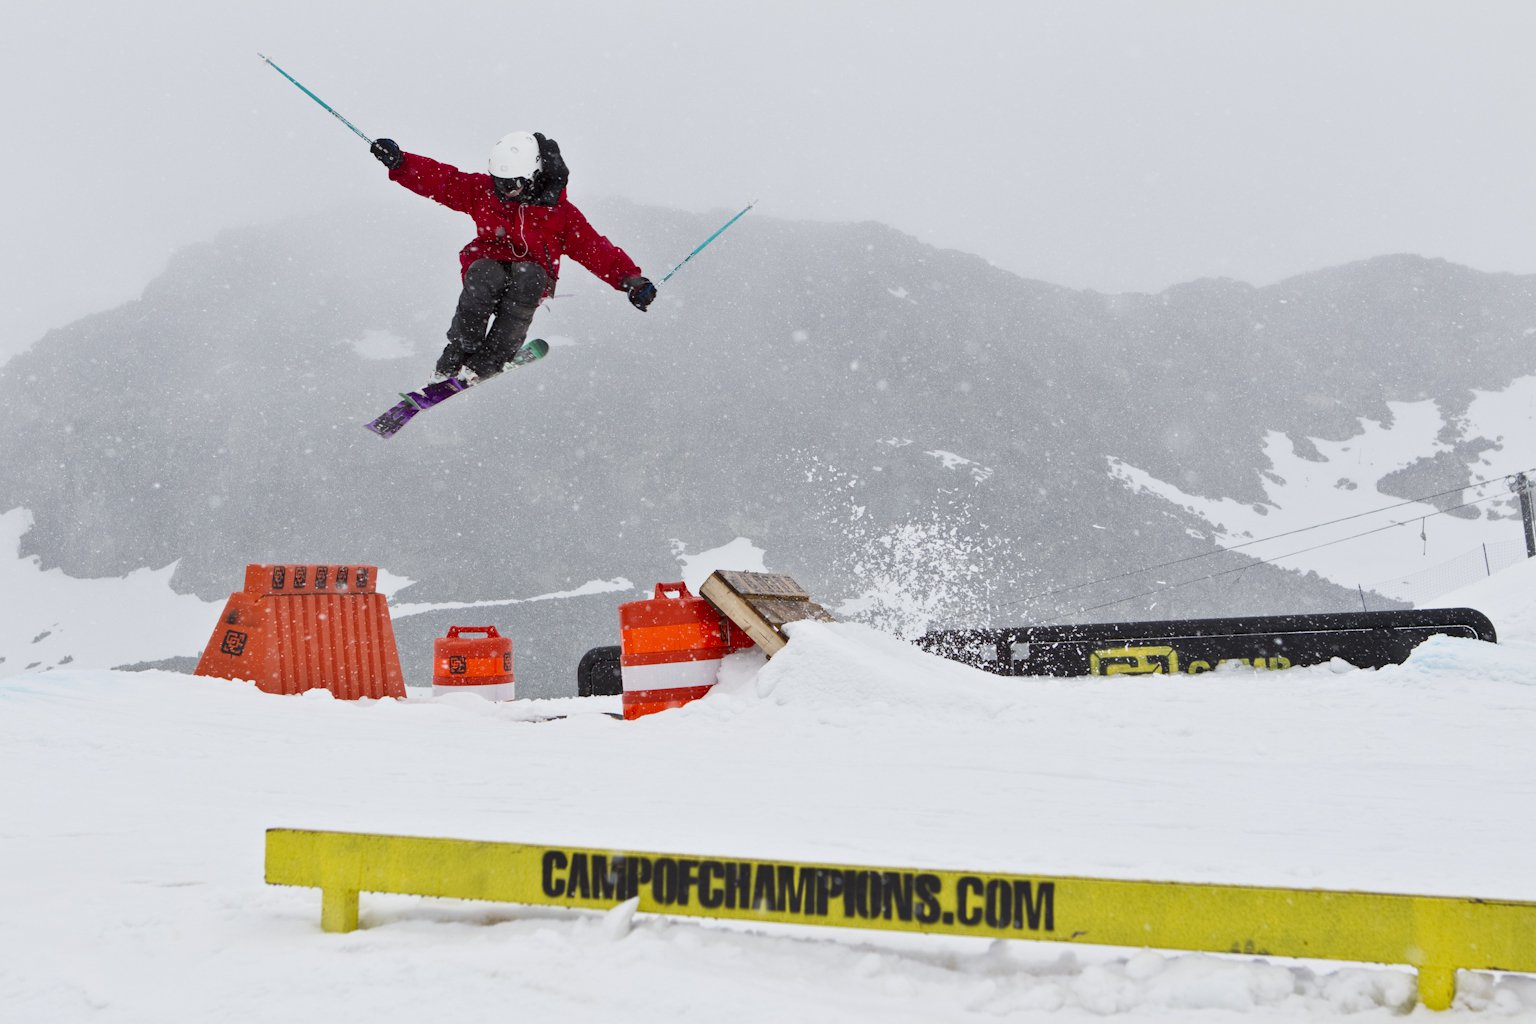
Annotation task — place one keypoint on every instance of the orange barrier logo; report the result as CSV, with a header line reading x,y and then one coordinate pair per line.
x,y
479,665
304,627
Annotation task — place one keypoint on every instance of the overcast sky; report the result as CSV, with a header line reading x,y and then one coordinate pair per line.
x,y
1110,145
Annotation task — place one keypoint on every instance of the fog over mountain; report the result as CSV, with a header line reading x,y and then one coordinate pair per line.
x,y
871,411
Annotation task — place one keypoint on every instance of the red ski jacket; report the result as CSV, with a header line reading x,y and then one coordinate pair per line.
x,y
515,231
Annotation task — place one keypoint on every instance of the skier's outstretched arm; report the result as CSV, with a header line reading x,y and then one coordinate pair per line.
x,y
606,260
426,177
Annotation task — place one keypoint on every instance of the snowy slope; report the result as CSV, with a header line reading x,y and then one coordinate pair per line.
x,y
1322,481
131,866
48,619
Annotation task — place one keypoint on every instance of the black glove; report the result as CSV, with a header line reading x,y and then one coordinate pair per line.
x,y
552,176
641,292
388,153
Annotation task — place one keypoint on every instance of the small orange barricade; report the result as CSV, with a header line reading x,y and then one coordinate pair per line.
x,y
481,665
303,627
671,646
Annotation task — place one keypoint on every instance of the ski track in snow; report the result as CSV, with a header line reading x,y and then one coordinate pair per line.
x,y
133,832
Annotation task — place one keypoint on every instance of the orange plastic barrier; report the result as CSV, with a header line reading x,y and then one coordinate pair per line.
x,y
480,665
671,648
303,627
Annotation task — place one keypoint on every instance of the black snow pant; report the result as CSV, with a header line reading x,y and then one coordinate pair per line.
x,y
509,291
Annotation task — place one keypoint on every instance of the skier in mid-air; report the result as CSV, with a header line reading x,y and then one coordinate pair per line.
x,y
523,225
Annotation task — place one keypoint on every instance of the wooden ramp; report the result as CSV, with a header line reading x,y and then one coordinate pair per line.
x,y
762,604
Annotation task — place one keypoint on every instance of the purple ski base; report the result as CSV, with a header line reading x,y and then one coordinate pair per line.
x,y
410,404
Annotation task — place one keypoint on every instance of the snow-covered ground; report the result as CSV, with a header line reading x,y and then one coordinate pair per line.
x,y
132,819
1379,538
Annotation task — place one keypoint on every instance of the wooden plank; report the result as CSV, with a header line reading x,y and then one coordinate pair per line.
x,y
762,604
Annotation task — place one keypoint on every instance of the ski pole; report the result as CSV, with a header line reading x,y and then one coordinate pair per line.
x,y
706,241
320,101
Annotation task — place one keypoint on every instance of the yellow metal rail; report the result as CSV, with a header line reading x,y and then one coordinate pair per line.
x,y
1434,934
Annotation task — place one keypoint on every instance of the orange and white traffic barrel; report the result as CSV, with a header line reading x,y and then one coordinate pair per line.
x,y
670,649
480,665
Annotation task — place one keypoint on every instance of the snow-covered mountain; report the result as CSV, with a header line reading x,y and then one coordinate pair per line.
x,y
879,416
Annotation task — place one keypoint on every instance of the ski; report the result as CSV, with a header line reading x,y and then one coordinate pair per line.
x,y
388,424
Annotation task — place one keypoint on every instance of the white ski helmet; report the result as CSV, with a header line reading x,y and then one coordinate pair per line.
x,y
515,156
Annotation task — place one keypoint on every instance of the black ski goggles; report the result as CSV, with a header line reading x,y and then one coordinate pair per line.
x,y
512,188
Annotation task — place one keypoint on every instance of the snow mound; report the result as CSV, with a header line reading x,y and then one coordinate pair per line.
x,y
1508,599
848,666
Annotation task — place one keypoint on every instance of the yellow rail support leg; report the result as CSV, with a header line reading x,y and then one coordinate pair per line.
x,y
338,909
1437,986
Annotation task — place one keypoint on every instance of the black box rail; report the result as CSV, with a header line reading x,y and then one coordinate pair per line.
x,y
1363,639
